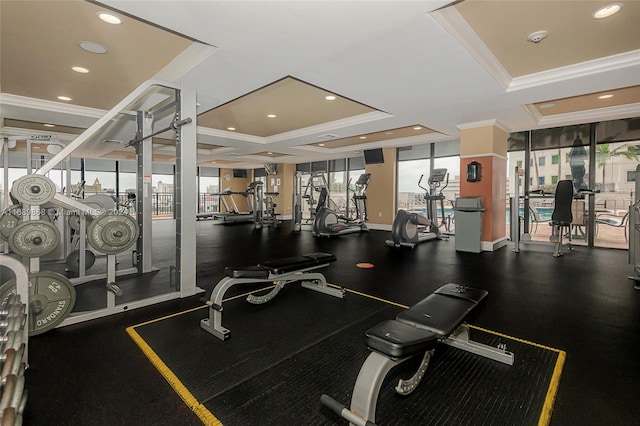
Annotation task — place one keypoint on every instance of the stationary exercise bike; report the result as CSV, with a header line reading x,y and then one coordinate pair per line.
x,y
411,229
328,222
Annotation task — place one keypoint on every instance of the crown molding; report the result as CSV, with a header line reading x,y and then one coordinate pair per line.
x,y
458,28
330,126
583,69
185,61
484,123
592,115
52,106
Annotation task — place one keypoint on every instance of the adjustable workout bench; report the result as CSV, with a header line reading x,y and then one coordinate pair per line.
x,y
281,272
417,330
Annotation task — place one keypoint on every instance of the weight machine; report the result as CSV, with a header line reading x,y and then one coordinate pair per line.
x,y
107,230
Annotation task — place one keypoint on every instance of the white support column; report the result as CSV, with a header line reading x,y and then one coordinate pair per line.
x,y
186,195
145,188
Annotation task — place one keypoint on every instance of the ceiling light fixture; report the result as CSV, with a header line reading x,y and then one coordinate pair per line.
x,y
388,133
109,18
330,98
271,115
81,70
363,137
546,106
92,47
269,153
417,128
231,128
320,144
605,96
64,98
608,10
49,125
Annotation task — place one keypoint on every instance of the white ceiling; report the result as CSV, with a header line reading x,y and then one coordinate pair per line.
x,y
413,63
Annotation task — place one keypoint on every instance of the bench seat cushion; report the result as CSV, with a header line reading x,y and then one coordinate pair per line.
x,y
247,272
438,313
396,339
471,294
295,263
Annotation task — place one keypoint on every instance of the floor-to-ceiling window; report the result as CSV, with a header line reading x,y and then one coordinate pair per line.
x,y
599,159
415,167
208,189
162,201
338,185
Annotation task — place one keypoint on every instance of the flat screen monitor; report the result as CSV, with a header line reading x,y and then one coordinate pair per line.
x,y
239,173
373,156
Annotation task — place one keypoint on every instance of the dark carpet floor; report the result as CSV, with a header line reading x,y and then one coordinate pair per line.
x,y
583,303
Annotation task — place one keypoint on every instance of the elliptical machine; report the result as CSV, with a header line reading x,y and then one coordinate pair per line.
x,y
328,222
411,229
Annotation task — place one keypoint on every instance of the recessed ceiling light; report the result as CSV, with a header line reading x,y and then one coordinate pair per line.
x,y
417,128
330,98
605,96
231,128
320,144
271,115
546,106
608,10
388,133
363,137
269,153
109,18
92,47
81,70
49,125
64,98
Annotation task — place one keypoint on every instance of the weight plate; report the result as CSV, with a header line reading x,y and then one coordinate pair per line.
x,y
51,299
73,260
34,238
74,221
101,203
33,190
9,220
112,233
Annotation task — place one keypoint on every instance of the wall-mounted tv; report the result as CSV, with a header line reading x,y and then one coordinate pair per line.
x,y
373,156
239,173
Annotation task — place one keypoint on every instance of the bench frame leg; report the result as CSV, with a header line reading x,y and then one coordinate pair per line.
x,y
311,280
460,339
365,392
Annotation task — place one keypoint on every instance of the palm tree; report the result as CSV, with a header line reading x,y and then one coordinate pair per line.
x,y
604,153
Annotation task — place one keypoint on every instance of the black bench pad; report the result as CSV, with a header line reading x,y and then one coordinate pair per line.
x,y
444,310
290,264
396,339
280,266
475,295
247,272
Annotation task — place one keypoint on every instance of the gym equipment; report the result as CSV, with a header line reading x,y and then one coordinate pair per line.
x,y
328,222
112,233
100,202
34,238
33,190
264,208
434,197
10,218
51,299
439,318
73,260
233,214
280,272
411,229
561,217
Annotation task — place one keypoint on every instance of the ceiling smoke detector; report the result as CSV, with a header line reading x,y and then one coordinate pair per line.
x,y
537,37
